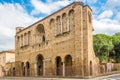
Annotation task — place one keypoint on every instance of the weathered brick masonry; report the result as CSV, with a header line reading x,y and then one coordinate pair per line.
x,y
58,45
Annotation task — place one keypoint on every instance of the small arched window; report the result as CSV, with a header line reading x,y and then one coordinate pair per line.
x,y
43,38
58,25
18,40
29,37
70,19
21,40
64,22
52,23
89,17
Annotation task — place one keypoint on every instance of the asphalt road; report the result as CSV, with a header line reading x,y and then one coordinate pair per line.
x,y
115,77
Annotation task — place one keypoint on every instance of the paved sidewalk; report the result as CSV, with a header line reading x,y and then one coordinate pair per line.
x,y
109,77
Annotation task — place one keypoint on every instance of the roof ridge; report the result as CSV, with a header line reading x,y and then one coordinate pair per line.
x,y
51,15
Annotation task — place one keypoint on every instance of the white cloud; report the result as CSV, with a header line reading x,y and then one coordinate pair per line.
x,y
113,3
108,21
117,17
49,7
89,1
106,26
12,16
106,14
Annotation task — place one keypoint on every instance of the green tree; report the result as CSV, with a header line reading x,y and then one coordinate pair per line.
x,y
117,34
102,46
115,54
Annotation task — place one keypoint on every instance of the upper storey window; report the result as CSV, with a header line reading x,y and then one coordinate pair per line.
x,y
21,41
29,37
58,25
52,23
53,26
40,28
64,22
70,19
40,33
18,41
89,16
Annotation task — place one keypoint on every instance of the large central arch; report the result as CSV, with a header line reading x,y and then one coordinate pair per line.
x,y
40,65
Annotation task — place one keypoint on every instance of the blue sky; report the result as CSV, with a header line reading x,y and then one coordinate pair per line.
x,y
14,13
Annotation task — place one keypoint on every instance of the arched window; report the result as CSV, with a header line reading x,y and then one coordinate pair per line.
x,y
52,23
18,41
29,37
53,26
90,68
40,34
43,38
21,40
58,25
70,19
64,22
89,17
25,38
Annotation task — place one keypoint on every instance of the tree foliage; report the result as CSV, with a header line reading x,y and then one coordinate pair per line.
x,y
107,48
117,34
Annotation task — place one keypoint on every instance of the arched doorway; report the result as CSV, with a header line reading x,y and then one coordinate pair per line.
x,y
22,69
27,68
68,66
58,66
14,71
40,65
90,68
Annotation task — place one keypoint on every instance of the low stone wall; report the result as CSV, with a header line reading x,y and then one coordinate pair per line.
x,y
116,67
108,69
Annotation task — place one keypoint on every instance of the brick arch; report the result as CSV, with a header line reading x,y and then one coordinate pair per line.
x,y
27,68
13,71
40,33
39,59
58,25
23,68
40,28
64,22
68,65
70,19
91,72
58,61
52,23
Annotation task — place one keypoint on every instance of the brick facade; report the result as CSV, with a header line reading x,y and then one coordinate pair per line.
x,y
58,45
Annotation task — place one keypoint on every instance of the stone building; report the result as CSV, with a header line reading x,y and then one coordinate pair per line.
x,y
7,57
58,45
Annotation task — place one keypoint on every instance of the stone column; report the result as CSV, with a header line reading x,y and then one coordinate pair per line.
x,y
35,65
63,69
43,67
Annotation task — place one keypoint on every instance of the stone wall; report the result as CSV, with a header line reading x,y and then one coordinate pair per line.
x,y
58,45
